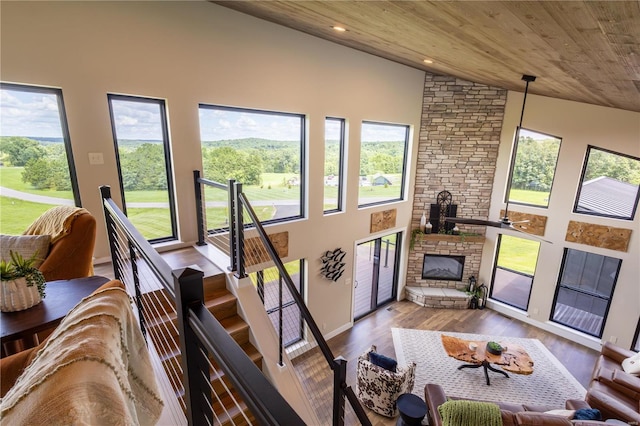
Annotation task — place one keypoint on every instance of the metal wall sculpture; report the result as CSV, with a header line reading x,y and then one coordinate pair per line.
x,y
332,264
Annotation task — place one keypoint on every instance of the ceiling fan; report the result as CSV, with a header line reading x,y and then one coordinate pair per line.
x,y
505,222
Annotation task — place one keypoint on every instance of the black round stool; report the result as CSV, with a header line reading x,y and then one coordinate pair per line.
x,y
412,410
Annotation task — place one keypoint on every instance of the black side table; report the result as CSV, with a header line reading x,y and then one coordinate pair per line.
x,y
412,410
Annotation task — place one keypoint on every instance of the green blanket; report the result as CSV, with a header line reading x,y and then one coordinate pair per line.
x,y
469,413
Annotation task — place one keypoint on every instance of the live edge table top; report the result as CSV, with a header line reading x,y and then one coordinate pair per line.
x,y
513,359
61,297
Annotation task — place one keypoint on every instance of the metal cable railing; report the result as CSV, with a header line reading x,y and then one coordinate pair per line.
x,y
280,287
213,379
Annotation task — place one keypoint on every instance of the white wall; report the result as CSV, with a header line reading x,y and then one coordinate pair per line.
x,y
578,125
197,52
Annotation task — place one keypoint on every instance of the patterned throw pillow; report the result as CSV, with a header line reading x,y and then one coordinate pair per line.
x,y
25,245
631,365
383,361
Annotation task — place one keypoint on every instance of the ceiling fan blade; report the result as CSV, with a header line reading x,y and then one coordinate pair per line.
x,y
479,222
537,237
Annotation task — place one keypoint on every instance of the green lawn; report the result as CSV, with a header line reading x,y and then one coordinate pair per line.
x,y
16,215
518,254
536,198
11,177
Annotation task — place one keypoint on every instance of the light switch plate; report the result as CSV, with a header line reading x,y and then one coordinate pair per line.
x,y
96,158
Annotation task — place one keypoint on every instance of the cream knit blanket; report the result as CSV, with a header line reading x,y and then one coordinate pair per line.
x,y
94,370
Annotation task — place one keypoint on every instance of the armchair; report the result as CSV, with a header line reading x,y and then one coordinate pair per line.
x,y
73,234
378,388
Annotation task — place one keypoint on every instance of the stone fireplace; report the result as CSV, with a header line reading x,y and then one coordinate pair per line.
x,y
458,148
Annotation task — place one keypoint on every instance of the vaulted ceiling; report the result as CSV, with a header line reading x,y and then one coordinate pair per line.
x,y
585,51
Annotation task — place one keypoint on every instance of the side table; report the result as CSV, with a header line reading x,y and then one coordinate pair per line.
x,y
18,329
412,410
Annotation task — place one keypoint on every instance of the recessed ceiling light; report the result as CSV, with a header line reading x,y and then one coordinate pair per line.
x,y
339,29
427,61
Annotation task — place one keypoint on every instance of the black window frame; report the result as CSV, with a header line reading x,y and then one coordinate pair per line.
x,y
303,151
341,166
404,163
512,166
64,128
560,286
167,158
495,267
635,344
581,182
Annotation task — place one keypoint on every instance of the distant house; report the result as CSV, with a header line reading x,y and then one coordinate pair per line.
x,y
364,181
331,180
607,196
294,181
379,180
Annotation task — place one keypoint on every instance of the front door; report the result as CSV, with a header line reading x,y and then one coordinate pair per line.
x,y
376,274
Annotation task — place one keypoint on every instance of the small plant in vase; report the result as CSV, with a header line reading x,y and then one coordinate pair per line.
x,y
22,286
494,348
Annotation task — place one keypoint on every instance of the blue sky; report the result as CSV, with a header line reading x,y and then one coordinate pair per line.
x,y
36,114
29,114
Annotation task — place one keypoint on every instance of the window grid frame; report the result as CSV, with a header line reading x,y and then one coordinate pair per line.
x,y
166,144
404,164
341,165
560,286
64,129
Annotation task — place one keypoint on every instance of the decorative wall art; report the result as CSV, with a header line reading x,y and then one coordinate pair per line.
x,y
332,264
383,220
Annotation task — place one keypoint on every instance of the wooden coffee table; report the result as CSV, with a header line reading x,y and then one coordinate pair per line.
x,y
513,358
19,328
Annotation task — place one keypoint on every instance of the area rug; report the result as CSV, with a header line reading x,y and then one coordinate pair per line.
x,y
550,384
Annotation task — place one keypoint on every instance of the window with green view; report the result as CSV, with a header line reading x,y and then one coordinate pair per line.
x,y
37,170
533,167
262,150
334,129
514,271
383,156
141,140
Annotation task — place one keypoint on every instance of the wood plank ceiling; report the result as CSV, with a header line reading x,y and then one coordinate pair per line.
x,y
585,51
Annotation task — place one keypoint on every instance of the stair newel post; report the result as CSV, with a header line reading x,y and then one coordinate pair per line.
x,y
280,338
339,381
105,192
239,224
188,284
199,208
233,205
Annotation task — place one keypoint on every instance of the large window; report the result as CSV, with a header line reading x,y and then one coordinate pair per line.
x,y
36,162
333,164
514,270
383,156
584,291
141,140
609,184
263,150
272,289
533,168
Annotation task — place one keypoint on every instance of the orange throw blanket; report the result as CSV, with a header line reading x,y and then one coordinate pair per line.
x,y
56,222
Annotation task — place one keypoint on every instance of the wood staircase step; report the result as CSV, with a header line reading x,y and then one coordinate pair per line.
x,y
161,327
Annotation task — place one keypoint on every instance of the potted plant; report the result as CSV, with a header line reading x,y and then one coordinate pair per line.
x,y
22,285
494,348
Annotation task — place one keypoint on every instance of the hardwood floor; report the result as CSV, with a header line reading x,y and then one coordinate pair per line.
x,y
375,328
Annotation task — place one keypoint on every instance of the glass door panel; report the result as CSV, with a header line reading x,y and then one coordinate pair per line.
x,y
376,274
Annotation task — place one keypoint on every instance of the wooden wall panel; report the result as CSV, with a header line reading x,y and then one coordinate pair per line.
x,y
598,235
256,253
383,220
536,225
